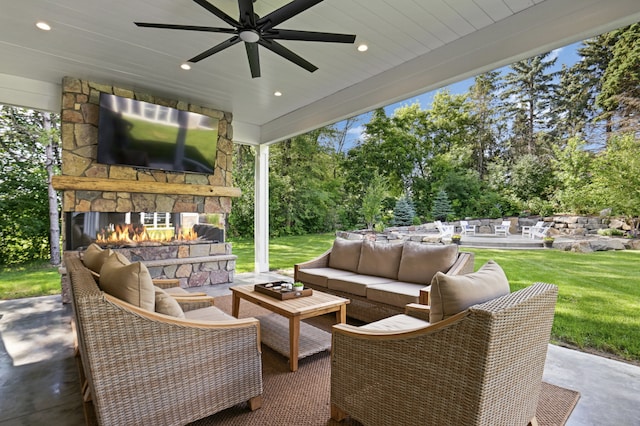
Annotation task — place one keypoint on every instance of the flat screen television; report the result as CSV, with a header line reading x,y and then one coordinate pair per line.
x,y
141,134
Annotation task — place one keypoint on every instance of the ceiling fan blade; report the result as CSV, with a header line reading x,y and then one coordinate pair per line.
x,y
247,15
254,59
309,36
219,13
215,49
287,11
279,49
186,27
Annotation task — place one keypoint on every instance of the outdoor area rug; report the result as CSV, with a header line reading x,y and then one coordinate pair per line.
x,y
302,397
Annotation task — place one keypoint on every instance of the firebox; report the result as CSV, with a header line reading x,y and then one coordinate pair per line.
x,y
124,229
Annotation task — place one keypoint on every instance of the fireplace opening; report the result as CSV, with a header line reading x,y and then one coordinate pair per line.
x,y
110,229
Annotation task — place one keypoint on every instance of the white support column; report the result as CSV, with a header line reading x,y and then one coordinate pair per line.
x,y
261,209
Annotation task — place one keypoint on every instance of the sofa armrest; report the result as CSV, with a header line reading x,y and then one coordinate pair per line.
x,y
165,283
463,264
417,310
196,302
321,261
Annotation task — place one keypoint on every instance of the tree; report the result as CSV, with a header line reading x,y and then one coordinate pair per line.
x,y
616,177
441,206
372,200
24,203
529,92
620,95
403,213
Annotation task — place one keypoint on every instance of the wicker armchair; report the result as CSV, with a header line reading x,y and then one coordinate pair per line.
x,y
142,367
482,366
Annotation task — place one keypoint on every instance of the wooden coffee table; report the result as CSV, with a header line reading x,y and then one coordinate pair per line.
x,y
294,309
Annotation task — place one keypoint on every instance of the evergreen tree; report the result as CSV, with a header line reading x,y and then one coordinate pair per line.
x,y
529,92
373,198
441,206
403,212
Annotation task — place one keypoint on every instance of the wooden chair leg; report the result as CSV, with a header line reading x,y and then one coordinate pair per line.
x,y
255,403
337,413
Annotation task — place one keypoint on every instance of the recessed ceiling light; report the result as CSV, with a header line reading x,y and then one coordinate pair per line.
x,y
43,26
185,66
277,93
363,48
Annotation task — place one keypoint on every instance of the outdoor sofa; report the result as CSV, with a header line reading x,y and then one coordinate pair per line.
x,y
381,278
476,356
146,357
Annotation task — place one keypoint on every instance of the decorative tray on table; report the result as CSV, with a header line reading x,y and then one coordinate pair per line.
x,y
275,289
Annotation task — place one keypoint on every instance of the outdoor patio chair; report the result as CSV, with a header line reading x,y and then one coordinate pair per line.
x,y
503,229
466,228
526,230
446,231
482,366
540,232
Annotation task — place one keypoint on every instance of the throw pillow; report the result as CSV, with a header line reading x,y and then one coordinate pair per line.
x,y
345,254
451,294
420,262
130,282
167,305
94,257
380,259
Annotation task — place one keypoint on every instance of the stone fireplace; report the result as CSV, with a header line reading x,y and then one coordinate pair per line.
x,y
103,195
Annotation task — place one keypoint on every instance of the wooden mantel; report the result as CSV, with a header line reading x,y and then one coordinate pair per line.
x,y
79,183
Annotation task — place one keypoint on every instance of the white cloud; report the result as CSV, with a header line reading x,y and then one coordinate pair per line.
x,y
554,54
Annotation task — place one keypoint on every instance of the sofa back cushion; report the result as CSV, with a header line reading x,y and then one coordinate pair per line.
x,y
166,304
451,294
94,257
130,282
420,262
380,259
345,254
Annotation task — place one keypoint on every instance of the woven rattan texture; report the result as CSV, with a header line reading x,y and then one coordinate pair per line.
x,y
485,369
147,371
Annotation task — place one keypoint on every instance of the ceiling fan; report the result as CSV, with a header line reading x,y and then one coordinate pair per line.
x,y
254,31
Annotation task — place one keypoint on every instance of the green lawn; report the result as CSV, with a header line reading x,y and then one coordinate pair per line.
x,y
598,305
32,279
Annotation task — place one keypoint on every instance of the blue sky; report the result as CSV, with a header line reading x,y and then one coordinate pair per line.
x,y
566,55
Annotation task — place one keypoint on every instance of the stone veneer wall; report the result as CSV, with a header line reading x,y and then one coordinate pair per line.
x,y
193,264
80,112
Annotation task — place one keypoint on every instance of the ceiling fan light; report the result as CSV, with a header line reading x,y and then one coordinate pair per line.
x,y
249,36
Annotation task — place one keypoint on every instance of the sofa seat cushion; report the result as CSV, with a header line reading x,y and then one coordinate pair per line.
x,y
380,259
130,282
208,314
319,276
451,294
355,284
396,323
397,293
94,257
420,262
345,254
167,305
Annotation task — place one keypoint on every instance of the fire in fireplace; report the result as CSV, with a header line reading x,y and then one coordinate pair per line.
x,y
132,229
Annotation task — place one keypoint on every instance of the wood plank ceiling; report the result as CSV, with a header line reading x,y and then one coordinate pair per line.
x,y
414,46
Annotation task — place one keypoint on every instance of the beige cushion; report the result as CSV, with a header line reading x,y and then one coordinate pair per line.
x,y
451,294
397,293
319,276
355,284
210,313
380,259
396,323
167,305
420,262
130,282
345,254
94,257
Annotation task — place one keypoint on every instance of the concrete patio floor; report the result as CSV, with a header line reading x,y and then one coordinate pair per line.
x,y
39,383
